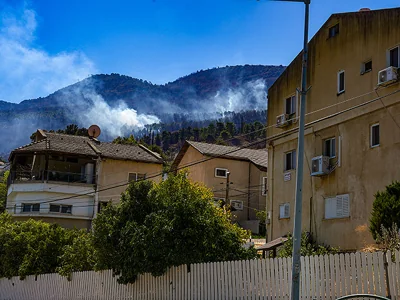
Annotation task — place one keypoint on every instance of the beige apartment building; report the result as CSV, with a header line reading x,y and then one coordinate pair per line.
x,y
352,136
247,170
66,179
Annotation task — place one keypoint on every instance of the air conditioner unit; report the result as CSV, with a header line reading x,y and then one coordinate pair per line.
x,y
237,204
282,120
387,76
320,166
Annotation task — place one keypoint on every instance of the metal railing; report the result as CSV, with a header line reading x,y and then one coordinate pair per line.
x,y
50,175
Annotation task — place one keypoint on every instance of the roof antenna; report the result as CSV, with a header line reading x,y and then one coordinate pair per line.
x,y
94,131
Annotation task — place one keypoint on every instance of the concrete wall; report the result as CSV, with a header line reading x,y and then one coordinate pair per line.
x,y
37,192
246,181
115,172
363,170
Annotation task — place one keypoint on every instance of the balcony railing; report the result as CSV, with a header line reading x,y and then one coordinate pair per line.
x,y
51,175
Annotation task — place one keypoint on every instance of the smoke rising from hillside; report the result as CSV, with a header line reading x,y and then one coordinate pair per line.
x,y
88,107
251,95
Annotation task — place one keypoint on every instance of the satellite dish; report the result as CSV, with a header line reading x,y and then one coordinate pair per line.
x,y
94,131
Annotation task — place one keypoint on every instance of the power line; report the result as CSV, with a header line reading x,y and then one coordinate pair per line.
x,y
234,150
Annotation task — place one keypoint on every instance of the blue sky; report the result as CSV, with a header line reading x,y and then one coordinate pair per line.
x,y
47,44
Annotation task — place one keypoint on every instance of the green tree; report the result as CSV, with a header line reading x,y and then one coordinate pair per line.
x,y
35,247
3,191
385,209
157,226
77,253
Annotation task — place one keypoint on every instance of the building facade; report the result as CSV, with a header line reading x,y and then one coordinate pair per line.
x,y
66,179
210,164
352,129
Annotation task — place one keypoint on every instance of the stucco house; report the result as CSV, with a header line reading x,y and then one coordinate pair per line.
x,y
241,172
352,132
65,179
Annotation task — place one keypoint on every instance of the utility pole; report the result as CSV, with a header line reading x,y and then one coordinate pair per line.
x,y
300,164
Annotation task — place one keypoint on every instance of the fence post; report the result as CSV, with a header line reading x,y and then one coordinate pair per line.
x,y
386,264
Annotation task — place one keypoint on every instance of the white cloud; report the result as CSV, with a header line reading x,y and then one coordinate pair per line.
x,y
26,71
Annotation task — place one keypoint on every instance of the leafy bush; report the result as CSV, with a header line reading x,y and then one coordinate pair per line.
x,y
308,247
385,209
390,238
35,247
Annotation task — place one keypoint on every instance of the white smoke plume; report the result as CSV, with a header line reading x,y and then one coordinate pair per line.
x,y
116,120
248,96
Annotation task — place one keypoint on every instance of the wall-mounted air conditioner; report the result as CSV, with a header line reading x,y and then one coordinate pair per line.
x,y
282,120
237,204
320,166
387,76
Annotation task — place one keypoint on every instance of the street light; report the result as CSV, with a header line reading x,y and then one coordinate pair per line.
x,y
300,161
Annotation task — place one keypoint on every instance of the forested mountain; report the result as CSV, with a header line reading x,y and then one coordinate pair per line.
x,y
121,104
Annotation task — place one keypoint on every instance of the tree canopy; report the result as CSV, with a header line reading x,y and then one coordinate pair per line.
x,y
157,226
385,209
35,247
3,191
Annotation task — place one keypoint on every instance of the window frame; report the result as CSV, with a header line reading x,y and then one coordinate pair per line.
x,y
284,205
60,209
264,186
363,67
335,29
217,176
372,135
389,57
293,105
293,160
336,198
339,90
31,206
330,147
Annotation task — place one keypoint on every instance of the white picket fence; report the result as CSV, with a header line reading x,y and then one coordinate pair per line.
x,y
322,277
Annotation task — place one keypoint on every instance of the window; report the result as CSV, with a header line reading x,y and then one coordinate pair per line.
x,y
101,205
264,186
394,57
337,207
333,31
222,173
136,177
30,207
341,86
284,211
375,141
366,67
290,105
59,208
290,160
330,147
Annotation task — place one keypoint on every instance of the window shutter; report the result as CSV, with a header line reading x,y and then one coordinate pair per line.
x,y
294,159
330,208
346,205
286,210
339,207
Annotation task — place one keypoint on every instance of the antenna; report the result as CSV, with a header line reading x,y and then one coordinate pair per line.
x,y
94,131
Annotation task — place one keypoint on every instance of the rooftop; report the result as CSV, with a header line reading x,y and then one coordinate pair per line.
x,y
257,157
80,145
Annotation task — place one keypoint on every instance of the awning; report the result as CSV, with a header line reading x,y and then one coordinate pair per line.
x,y
272,244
